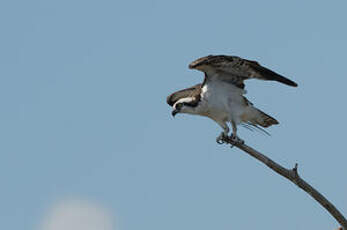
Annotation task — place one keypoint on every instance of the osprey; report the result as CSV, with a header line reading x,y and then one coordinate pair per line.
x,y
220,95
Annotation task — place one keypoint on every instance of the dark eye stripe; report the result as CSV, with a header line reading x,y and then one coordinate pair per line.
x,y
191,104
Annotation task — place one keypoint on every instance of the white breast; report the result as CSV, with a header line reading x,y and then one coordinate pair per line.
x,y
224,101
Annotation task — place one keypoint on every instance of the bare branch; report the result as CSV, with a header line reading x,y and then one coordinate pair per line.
x,y
293,176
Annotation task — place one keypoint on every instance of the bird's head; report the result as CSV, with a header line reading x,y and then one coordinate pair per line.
x,y
183,106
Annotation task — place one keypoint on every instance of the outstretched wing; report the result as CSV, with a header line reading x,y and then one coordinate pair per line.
x,y
235,69
193,92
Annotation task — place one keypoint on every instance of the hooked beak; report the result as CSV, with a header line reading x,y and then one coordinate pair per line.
x,y
174,112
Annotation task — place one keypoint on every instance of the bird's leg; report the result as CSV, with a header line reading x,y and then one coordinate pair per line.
x,y
224,134
234,136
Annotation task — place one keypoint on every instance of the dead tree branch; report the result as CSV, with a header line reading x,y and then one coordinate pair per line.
x,y
293,176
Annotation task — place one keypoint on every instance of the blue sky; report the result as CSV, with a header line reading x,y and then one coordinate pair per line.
x,y
83,87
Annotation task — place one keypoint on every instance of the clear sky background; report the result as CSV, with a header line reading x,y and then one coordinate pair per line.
x,y
83,115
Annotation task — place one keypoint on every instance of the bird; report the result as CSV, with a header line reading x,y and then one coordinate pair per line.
x,y
220,96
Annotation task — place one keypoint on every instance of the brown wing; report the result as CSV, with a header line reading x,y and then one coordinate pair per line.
x,y
266,74
189,92
236,69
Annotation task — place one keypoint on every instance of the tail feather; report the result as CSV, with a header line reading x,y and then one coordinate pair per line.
x,y
256,117
253,127
265,120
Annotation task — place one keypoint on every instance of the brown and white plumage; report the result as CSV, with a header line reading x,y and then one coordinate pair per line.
x,y
236,69
220,96
192,92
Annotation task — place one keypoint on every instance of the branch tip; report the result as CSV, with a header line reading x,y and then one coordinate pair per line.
x,y
295,169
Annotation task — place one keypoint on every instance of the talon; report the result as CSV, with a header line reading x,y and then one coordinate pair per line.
x,y
220,142
221,138
236,139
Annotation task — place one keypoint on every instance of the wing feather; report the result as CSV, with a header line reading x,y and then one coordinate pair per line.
x,y
264,73
236,69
